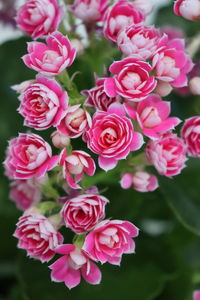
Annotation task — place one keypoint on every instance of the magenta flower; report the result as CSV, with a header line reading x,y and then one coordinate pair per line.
x,y
152,115
188,9
190,133
51,58
37,236
75,165
112,136
196,295
132,79
28,155
38,18
110,240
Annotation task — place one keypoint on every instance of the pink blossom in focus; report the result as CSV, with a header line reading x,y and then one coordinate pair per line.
x,y
188,9
38,18
126,181
196,295
60,140
37,236
51,58
190,133
73,264
109,240
144,182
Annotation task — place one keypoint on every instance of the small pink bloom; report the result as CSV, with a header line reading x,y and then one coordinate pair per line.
x,y
126,181
190,133
132,79
121,15
51,58
82,213
60,140
144,182
163,88
73,264
168,154
110,240
25,193
196,295
152,115
194,85
38,18
28,156
37,236
146,6
112,136
75,165
43,103
173,32
188,9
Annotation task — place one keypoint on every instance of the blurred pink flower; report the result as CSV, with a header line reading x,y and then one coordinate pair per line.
x,y
188,9
190,133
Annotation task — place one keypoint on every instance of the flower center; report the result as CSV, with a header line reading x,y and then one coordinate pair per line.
x,y
131,80
150,117
50,56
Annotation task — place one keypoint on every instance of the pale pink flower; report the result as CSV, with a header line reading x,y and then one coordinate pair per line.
x,y
196,295
132,79
37,236
144,182
112,136
28,155
73,264
168,154
82,213
188,9
190,133
152,115
194,85
109,240
121,15
126,181
38,18
146,6
75,165
51,58
60,140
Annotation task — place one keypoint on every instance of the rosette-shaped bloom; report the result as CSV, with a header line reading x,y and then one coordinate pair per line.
x,y
144,182
121,15
132,79
152,115
38,18
168,154
82,213
112,136
43,103
196,295
28,155
37,236
75,165
172,64
140,41
75,121
110,240
190,133
188,9
73,264
50,58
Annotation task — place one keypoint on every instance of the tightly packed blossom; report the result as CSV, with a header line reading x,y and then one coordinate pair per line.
x,y
191,135
188,9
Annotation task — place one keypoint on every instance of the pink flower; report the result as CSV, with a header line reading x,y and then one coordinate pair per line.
x,y
51,58
112,136
190,133
168,154
196,295
38,18
60,140
43,103
144,182
152,115
75,165
172,64
121,15
37,236
83,212
126,181
75,121
28,155
132,79
109,240
188,9
72,265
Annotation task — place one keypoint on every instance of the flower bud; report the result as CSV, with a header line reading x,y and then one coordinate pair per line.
x,y
78,45
194,85
60,140
163,89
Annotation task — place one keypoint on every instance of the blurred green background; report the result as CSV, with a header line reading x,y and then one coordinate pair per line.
x,y
166,265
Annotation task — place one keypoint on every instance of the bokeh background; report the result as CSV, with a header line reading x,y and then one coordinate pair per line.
x,y
167,261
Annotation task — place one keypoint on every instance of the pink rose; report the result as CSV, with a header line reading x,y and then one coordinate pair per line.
x,y
112,136
82,213
196,295
152,115
28,155
190,133
38,18
37,236
144,182
73,264
121,15
132,79
168,154
109,240
43,103
51,58
188,9
75,165
60,140
25,193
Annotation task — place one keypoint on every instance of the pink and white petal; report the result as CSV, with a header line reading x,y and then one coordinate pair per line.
x,y
71,182
107,163
64,249
137,141
94,275
110,88
59,269
73,278
117,108
130,110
